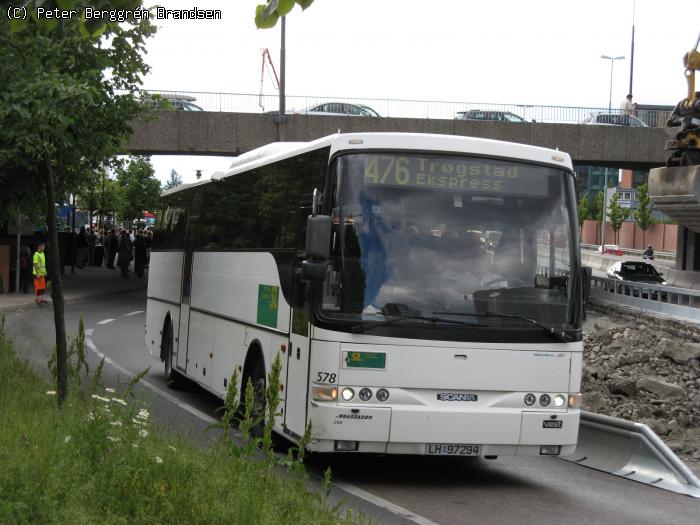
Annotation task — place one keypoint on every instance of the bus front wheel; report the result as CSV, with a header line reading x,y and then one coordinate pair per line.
x,y
257,378
172,378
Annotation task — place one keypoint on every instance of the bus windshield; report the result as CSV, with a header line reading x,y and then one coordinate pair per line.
x,y
449,237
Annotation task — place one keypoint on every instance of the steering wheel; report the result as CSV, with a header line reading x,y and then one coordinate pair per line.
x,y
517,282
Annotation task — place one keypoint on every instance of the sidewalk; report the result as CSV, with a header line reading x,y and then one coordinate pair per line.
x,y
87,282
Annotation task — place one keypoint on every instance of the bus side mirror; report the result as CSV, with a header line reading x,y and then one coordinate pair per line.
x,y
313,270
318,237
318,245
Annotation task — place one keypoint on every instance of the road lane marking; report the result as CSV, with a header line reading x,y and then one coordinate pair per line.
x,y
197,413
89,331
105,321
135,312
347,487
385,504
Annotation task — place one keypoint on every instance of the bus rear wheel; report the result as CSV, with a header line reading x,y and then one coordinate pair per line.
x,y
172,378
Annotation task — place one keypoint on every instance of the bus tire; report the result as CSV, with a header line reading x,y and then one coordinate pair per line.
x,y
173,379
256,374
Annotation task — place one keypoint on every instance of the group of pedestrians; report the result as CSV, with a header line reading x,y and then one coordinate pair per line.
x,y
126,246
87,246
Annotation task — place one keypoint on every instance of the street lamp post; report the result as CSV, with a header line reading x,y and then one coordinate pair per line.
x,y
605,212
612,64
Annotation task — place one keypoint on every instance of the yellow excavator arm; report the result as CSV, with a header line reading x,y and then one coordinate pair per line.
x,y
691,61
686,115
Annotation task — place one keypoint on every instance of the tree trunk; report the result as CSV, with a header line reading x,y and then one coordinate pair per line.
x,y
54,273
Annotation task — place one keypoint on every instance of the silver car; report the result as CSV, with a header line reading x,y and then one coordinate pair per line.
x,y
339,109
177,102
613,119
480,114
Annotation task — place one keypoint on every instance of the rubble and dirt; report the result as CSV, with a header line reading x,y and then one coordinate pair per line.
x,y
645,370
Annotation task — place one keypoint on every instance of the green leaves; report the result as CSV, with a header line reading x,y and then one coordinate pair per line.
x,y
643,213
616,214
55,99
91,28
141,189
267,15
263,21
17,24
284,7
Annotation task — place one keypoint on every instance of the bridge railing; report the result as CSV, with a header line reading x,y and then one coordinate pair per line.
x,y
669,256
400,108
679,303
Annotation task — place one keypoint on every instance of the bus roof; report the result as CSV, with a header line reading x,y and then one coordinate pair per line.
x,y
277,151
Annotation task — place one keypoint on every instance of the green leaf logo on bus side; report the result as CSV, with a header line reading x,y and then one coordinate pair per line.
x,y
268,305
365,359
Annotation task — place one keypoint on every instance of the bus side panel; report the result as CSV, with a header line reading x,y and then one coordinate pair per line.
x,y
164,285
165,276
576,370
156,311
201,346
229,353
242,286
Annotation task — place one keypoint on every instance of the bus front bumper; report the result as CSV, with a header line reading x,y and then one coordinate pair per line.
x,y
416,430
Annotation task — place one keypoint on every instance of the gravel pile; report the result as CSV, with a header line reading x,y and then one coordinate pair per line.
x,y
640,372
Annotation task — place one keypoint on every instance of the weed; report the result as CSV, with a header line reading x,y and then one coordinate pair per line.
x,y
272,398
101,460
76,358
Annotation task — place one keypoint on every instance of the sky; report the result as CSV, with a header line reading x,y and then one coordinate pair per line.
x,y
540,52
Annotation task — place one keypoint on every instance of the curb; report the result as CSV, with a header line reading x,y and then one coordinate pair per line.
x,y
26,306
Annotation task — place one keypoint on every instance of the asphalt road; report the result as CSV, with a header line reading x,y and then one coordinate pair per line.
x,y
394,489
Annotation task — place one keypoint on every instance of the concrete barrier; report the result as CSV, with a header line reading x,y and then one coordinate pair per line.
x,y
633,451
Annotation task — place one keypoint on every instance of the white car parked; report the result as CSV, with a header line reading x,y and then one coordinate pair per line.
x,y
613,119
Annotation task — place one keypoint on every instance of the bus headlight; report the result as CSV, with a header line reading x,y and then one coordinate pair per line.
x,y
574,400
348,394
559,400
365,394
382,395
529,399
324,393
545,400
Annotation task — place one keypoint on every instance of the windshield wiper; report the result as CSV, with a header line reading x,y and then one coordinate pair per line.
x,y
359,328
561,336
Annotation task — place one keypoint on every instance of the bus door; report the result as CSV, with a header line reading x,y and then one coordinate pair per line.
x,y
297,364
297,371
191,236
185,311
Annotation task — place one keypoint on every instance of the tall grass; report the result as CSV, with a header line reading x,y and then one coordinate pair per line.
x,y
99,459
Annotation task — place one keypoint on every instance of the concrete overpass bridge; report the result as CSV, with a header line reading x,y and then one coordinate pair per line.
x,y
230,134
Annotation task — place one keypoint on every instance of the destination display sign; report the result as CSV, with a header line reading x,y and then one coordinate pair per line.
x,y
458,174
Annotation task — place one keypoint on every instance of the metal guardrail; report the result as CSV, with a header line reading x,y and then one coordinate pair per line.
x,y
403,108
679,303
632,451
671,256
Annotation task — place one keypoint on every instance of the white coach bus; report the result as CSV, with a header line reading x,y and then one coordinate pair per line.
x,y
359,260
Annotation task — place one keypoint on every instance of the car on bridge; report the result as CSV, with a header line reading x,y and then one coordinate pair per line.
x,y
174,101
613,119
478,114
636,272
343,109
